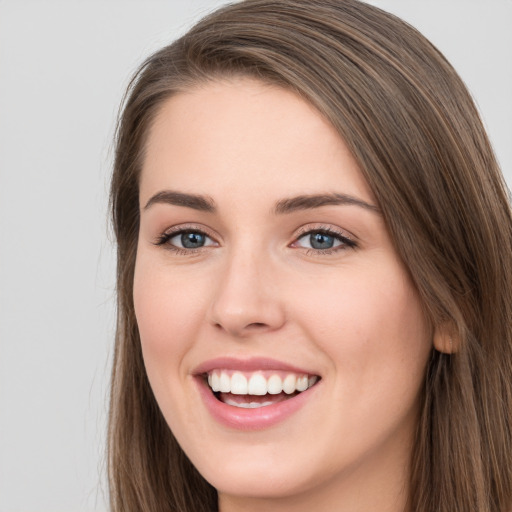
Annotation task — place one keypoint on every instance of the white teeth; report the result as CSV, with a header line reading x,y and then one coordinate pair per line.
x,y
257,384
247,405
289,384
214,381
238,384
274,385
302,383
225,383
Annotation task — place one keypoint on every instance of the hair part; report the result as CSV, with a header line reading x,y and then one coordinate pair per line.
x,y
413,128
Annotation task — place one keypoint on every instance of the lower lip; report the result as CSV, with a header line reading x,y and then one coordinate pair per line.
x,y
252,419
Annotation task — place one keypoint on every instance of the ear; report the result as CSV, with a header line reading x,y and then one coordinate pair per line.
x,y
445,339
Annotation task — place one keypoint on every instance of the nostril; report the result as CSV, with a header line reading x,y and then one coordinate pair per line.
x,y
256,325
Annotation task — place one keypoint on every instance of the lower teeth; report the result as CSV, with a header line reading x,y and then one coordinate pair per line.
x,y
247,405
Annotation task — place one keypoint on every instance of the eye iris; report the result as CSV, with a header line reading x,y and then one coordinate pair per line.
x,y
192,240
321,241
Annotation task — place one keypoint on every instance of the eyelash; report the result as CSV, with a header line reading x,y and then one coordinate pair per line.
x,y
346,242
164,238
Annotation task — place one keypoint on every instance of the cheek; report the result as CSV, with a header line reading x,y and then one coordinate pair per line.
x,y
363,303
167,310
371,324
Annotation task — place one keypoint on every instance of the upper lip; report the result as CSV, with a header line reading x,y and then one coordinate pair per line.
x,y
248,365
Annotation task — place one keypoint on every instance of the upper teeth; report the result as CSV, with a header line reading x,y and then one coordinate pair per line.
x,y
257,384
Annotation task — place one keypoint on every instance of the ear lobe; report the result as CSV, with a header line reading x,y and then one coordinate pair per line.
x,y
445,341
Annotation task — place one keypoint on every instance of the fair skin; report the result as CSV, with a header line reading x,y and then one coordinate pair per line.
x,y
318,287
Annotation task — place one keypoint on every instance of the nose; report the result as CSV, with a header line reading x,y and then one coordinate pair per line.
x,y
247,298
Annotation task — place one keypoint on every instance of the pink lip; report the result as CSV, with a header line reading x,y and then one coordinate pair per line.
x,y
248,365
250,419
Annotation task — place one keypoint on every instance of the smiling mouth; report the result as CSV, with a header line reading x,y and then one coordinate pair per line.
x,y
252,390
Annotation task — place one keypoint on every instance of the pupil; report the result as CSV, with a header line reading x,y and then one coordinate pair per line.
x,y
192,240
321,241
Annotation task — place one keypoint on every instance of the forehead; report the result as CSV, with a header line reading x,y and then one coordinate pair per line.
x,y
241,137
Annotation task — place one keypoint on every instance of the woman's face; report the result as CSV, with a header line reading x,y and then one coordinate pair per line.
x,y
264,263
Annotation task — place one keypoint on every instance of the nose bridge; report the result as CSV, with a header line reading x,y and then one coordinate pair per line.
x,y
246,298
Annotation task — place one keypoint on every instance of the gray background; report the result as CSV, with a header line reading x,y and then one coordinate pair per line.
x,y
63,67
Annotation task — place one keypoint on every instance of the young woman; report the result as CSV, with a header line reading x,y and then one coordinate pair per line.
x,y
314,273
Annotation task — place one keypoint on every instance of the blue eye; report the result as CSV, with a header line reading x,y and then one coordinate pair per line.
x,y
321,241
324,240
187,239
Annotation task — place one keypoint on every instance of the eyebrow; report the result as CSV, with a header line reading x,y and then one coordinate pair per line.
x,y
307,202
196,202
283,206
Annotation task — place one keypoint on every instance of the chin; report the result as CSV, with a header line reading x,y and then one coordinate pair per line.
x,y
258,481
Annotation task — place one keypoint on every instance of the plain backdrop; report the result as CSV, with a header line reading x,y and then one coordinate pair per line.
x,y
63,67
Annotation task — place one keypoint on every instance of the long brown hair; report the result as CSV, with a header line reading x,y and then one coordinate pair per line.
x,y
413,128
